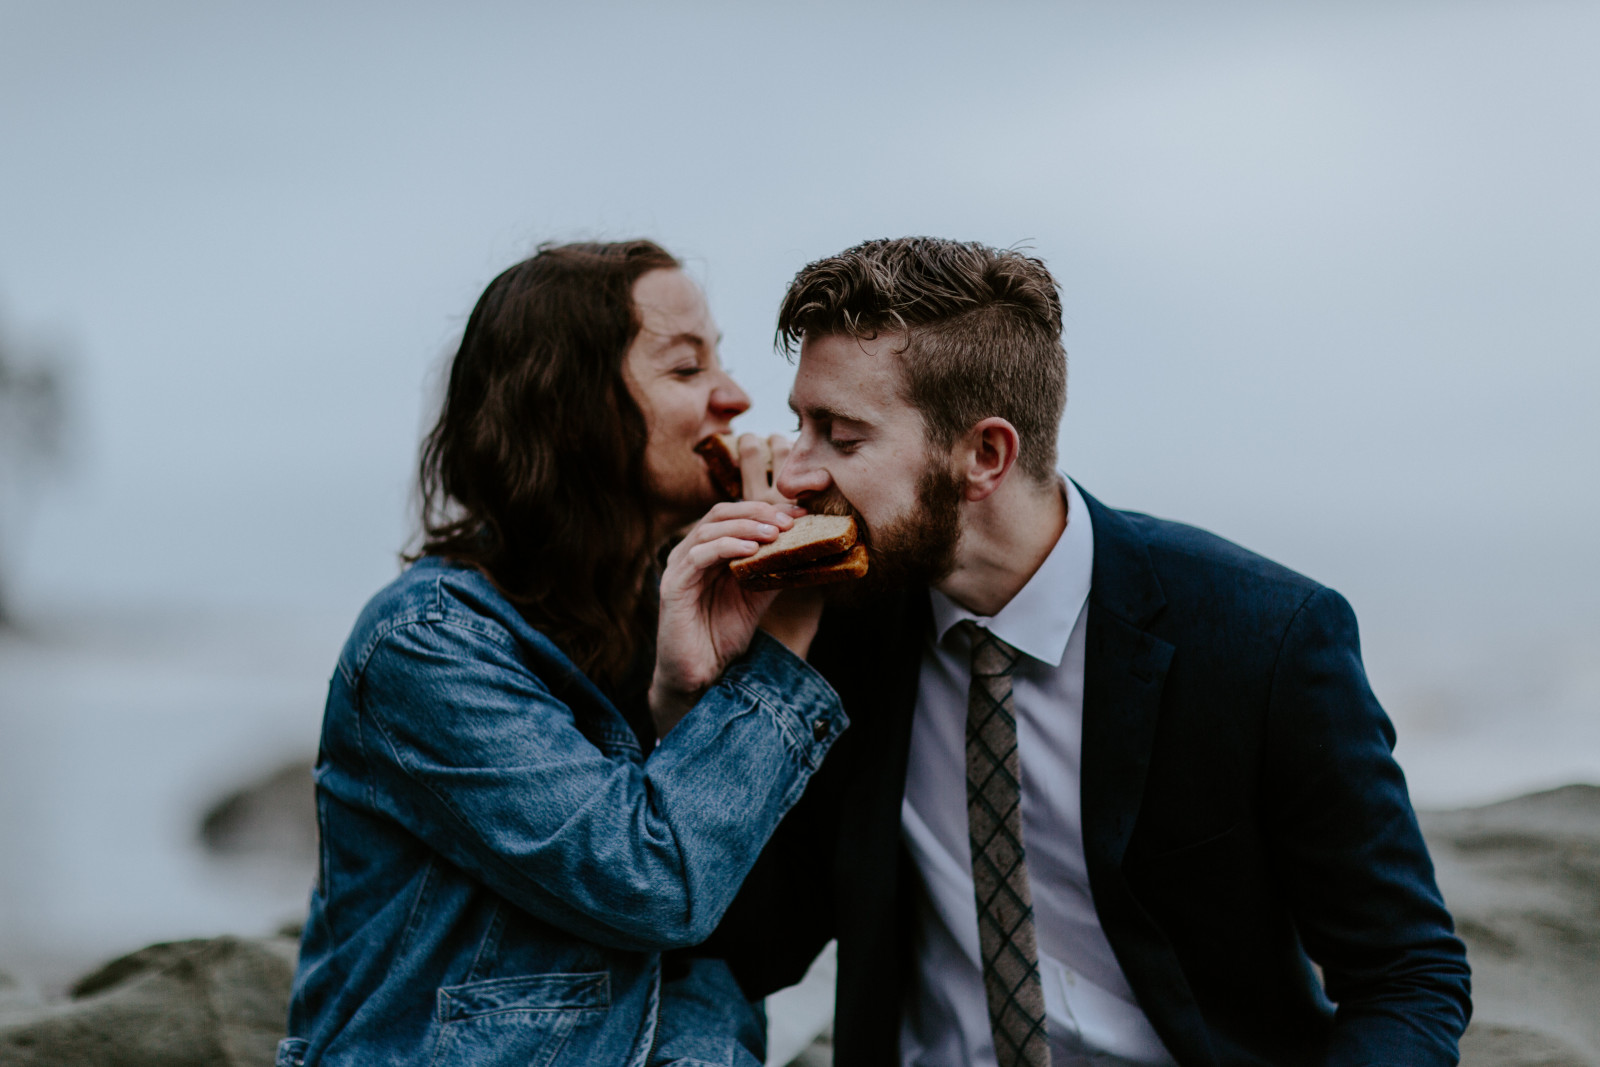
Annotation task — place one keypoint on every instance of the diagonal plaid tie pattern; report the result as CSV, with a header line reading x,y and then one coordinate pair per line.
x,y
999,869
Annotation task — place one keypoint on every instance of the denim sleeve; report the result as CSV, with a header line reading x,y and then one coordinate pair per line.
x,y
1351,854
469,750
705,1019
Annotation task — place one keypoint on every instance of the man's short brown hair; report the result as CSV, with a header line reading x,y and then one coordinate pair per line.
x,y
981,328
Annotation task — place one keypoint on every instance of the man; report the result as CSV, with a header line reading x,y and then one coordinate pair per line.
x,y
1116,789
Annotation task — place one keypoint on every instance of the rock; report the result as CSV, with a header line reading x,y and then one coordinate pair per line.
x,y
217,1003
1511,1046
275,817
14,996
1523,881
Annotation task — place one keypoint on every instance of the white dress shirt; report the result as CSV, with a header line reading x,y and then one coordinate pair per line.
x,y
1091,1014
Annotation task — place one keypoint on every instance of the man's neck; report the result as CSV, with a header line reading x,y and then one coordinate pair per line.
x,y
1005,537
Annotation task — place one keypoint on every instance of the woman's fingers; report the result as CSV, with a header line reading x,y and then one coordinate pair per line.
x,y
729,531
764,510
711,542
752,520
747,529
707,554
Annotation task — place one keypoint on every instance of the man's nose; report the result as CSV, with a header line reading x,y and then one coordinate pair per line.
x,y
800,475
727,399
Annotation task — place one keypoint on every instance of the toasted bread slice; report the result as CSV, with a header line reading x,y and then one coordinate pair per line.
x,y
812,537
842,568
721,453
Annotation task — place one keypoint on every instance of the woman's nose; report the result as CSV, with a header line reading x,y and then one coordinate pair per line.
x,y
728,400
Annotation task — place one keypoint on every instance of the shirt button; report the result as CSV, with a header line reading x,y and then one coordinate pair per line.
x,y
819,730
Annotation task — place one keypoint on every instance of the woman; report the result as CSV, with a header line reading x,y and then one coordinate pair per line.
x,y
507,849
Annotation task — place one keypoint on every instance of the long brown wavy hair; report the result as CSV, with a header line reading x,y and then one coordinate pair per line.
x,y
534,473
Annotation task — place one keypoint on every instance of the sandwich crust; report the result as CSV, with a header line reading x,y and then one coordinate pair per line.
x,y
843,568
811,538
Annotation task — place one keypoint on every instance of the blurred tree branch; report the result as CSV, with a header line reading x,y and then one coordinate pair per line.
x,y
32,438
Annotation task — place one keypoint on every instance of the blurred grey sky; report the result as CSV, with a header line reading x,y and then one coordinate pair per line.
x,y
1330,271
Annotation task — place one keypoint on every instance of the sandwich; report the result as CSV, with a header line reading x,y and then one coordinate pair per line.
x,y
816,550
721,453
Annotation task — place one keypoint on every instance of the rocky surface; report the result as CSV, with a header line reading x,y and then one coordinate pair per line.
x,y
218,1002
1492,1045
1522,878
1523,881
274,817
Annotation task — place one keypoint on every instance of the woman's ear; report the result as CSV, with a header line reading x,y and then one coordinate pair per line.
x,y
990,452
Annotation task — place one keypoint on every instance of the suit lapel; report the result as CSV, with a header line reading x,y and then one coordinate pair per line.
x,y
1125,669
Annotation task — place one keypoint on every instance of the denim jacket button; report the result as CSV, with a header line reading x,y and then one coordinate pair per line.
x,y
819,730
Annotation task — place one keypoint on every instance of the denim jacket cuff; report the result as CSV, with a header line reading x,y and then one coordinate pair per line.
x,y
808,711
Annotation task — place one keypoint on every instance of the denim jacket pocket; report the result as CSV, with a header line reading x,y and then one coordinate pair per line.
x,y
521,1021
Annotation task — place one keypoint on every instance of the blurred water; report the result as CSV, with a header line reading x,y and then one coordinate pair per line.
x,y
117,733
1492,715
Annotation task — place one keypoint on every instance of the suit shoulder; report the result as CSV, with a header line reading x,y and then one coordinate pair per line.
x,y
1196,566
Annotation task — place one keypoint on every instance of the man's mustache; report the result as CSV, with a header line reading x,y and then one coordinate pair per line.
x,y
832,502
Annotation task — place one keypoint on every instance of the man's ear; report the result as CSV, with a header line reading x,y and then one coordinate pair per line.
x,y
989,451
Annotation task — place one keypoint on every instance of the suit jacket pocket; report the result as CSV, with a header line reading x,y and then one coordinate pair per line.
x,y
1203,890
1219,906
1172,856
524,1021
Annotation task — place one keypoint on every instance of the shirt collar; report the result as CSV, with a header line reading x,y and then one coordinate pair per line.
x,y
1039,620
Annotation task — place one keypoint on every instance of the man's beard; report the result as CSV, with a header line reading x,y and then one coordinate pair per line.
x,y
918,548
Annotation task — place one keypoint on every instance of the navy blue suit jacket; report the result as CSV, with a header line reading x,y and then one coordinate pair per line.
x,y
1243,817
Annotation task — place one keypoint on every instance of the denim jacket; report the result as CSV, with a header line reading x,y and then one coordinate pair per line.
x,y
501,867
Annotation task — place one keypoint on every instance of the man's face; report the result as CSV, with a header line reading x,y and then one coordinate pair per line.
x,y
862,451
675,376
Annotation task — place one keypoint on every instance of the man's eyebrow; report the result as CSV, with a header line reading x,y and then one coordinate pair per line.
x,y
823,413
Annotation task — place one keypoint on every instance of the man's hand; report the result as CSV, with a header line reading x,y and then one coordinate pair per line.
x,y
760,460
707,618
793,617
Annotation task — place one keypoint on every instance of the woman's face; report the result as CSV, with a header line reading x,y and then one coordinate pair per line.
x,y
676,378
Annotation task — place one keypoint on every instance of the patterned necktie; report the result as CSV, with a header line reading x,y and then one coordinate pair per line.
x,y
999,870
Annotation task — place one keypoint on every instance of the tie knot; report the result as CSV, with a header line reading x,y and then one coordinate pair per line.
x,y
991,657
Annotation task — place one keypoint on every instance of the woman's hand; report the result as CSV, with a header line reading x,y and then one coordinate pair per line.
x,y
707,618
793,618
